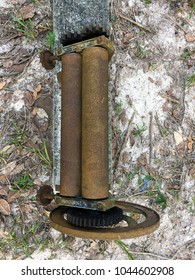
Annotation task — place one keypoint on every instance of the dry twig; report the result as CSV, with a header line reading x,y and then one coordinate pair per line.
x,y
145,28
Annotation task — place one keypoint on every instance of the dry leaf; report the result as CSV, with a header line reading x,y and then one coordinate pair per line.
x,y
178,137
8,168
3,192
7,64
29,98
3,234
13,196
4,188
3,178
27,12
190,37
41,113
4,207
36,91
18,68
190,144
34,111
2,84
17,170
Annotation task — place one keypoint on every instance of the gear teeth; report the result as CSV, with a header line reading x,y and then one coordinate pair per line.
x,y
93,219
89,33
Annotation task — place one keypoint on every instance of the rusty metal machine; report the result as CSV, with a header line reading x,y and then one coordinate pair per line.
x,y
85,207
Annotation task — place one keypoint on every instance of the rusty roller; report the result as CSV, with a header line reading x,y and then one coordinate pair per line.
x,y
70,171
95,123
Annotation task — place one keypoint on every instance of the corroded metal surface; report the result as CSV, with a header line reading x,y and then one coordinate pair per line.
x,y
70,173
100,41
45,195
131,230
101,205
47,60
95,181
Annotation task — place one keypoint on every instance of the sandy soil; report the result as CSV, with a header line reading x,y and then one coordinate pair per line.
x,y
152,88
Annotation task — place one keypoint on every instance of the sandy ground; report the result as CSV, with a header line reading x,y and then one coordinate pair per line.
x,y
152,88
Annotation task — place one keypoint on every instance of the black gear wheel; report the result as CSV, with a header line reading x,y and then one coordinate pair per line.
x,y
92,218
89,33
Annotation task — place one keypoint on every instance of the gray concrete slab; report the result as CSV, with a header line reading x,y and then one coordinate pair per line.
x,y
71,16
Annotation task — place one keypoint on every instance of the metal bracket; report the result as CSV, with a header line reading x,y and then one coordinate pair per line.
x,y
48,59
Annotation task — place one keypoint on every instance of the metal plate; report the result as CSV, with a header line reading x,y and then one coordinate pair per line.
x,y
132,228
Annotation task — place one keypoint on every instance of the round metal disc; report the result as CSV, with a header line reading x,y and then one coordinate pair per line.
x,y
132,228
47,61
45,195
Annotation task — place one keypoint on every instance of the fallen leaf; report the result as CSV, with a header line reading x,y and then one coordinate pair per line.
x,y
178,137
17,170
4,207
34,111
142,159
3,192
3,178
8,168
29,98
3,234
13,196
27,12
190,144
190,37
7,64
18,68
36,91
2,84
41,113
192,173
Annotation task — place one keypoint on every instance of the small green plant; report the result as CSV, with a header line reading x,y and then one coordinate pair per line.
x,y
161,199
44,155
186,53
141,52
147,2
25,27
139,130
113,17
192,11
191,206
118,108
152,66
23,182
190,80
120,183
22,141
125,248
164,131
50,40
132,175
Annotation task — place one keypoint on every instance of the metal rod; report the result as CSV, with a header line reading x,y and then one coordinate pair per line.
x,y
70,171
95,123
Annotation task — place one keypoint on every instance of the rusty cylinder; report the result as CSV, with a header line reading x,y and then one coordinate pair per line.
x,y
95,123
70,170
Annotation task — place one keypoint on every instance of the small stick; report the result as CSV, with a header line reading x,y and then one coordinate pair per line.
x,y
145,28
158,124
150,139
171,99
176,23
125,139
